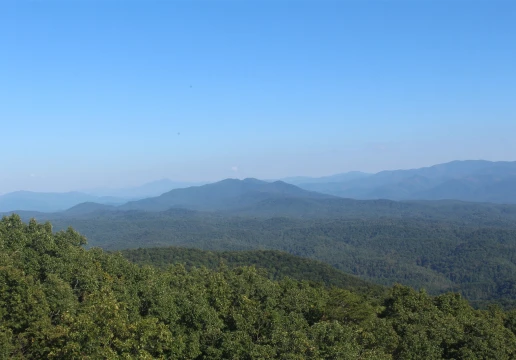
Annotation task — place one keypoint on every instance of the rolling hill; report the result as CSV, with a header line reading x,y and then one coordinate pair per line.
x,y
59,300
469,250
276,263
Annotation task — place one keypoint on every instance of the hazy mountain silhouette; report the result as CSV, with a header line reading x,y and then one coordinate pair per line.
x,y
472,180
50,202
223,195
87,208
153,188
348,176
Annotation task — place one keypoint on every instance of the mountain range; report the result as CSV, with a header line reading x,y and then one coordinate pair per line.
x,y
59,201
257,198
231,196
439,245
472,181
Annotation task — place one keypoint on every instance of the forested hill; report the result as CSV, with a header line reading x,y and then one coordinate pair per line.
x,y
61,301
475,258
277,265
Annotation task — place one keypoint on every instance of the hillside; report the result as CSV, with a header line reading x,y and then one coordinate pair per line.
x,y
58,300
276,264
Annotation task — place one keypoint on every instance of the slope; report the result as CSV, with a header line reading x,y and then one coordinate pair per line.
x,y
276,263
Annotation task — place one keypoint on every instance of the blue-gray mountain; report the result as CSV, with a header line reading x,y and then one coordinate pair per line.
x,y
440,245
473,180
224,195
153,188
352,175
55,201
51,202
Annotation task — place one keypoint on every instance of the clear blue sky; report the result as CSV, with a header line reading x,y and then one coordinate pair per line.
x,y
117,93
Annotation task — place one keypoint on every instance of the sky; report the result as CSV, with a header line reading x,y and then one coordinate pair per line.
x,y
117,93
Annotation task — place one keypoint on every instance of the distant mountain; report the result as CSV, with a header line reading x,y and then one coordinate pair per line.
x,y
50,202
55,202
474,188
88,208
223,195
348,176
154,188
472,180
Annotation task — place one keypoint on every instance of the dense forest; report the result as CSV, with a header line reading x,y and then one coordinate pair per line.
x,y
60,300
276,265
475,258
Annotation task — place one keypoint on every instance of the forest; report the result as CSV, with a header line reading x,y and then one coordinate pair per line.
x,y
271,263
465,248
61,300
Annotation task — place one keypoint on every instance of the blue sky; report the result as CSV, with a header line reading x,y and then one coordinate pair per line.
x,y
117,93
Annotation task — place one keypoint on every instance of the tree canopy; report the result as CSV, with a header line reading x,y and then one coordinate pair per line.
x,y
60,300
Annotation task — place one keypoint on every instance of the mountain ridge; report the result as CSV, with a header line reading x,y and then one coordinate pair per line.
x,y
223,195
50,201
149,189
469,180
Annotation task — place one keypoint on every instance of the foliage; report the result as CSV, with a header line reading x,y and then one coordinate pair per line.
x,y
276,264
59,300
476,259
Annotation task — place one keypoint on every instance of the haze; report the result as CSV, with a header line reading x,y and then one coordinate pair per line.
x,y
114,94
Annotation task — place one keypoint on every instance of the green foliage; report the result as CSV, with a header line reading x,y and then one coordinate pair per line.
x,y
276,264
60,300
474,253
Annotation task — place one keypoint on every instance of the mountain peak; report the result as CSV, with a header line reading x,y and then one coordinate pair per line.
x,y
223,195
